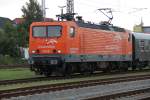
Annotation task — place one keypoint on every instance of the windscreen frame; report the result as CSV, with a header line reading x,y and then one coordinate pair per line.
x,y
46,32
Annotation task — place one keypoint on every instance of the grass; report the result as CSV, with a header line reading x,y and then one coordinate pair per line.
x,y
16,73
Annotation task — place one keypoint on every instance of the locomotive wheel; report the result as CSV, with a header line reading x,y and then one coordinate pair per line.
x,y
107,70
86,68
66,69
133,67
91,68
82,68
47,74
124,69
37,71
123,66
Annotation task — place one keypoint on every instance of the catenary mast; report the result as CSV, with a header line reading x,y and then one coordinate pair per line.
x,y
43,9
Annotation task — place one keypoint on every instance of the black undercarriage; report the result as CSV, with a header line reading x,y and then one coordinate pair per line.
x,y
57,66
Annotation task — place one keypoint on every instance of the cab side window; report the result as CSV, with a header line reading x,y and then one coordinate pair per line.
x,y
72,31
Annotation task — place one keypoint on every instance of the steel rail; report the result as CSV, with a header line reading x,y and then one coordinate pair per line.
x,y
119,95
64,86
36,79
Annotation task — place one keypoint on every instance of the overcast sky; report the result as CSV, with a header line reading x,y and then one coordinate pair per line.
x,y
125,14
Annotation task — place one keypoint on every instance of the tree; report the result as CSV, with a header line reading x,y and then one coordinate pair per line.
x,y
31,13
22,35
8,40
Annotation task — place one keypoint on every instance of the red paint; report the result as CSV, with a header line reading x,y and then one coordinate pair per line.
x,y
85,41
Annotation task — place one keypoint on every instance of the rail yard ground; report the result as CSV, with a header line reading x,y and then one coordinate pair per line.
x,y
25,73
62,80
83,89
16,73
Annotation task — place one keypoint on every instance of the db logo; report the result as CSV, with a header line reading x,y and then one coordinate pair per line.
x,y
52,42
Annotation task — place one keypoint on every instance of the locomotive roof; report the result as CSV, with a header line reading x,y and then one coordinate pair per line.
x,y
142,36
100,26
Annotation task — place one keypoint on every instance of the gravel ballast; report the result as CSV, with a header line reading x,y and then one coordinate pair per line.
x,y
88,92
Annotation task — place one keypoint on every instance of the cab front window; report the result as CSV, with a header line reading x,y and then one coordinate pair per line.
x,y
54,31
39,31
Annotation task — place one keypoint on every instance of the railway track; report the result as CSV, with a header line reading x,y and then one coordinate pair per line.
x,y
127,95
37,79
64,86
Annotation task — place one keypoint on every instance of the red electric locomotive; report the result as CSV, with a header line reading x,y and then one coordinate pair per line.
x,y
66,47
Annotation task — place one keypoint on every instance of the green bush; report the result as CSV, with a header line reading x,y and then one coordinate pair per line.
x,y
8,60
8,40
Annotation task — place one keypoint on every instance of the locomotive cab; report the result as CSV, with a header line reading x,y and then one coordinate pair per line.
x,y
50,43
45,39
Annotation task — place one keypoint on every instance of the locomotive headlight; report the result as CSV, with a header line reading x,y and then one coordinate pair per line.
x,y
59,51
33,51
